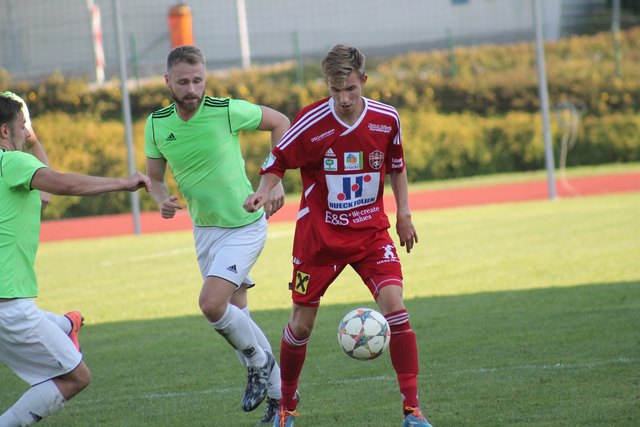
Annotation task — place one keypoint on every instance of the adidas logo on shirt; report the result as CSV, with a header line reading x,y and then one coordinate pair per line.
x,y
232,268
330,153
171,137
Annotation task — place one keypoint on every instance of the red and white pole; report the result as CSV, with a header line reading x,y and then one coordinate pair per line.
x,y
96,33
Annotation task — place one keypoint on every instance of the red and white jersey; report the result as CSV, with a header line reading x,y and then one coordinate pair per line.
x,y
342,169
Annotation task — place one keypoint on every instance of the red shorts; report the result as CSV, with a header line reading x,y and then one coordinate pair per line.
x,y
310,281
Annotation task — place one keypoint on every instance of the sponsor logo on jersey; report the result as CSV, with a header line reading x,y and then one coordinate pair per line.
x,y
270,160
396,163
363,215
323,135
379,128
376,159
330,164
353,161
347,192
336,219
330,153
301,283
171,137
388,254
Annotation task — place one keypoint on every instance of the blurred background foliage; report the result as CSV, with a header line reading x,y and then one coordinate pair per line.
x,y
466,111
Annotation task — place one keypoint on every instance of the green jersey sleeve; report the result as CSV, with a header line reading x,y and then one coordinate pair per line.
x,y
17,169
150,147
244,115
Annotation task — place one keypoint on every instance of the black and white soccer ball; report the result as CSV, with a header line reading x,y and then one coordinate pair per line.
x,y
364,334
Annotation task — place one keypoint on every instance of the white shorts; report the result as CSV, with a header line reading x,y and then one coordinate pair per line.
x,y
230,253
34,347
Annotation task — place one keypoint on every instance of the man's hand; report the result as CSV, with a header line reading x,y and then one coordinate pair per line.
x,y
45,198
406,231
169,207
254,201
275,200
137,181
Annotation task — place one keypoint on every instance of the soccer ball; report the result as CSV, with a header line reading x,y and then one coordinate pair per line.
x,y
364,334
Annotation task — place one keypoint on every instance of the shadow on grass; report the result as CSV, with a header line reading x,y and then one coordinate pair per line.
x,y
557,356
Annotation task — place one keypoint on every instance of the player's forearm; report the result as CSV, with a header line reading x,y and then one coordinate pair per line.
x,y
400,188
267,182
159,191
70,184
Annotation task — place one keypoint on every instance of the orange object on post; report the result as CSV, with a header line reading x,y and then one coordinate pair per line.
x,y
180,25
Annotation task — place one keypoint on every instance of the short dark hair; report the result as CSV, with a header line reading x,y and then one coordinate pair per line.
x,y
9,109
189,54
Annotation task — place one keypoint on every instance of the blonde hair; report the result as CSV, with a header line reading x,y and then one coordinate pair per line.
x,y
341,61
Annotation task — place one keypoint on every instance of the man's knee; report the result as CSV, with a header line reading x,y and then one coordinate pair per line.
x,y
74,382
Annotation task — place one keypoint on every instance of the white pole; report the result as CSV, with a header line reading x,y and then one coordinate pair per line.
x,y
243,32
544,100
615,30
126,113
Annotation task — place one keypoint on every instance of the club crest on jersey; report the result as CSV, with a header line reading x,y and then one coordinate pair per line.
x,y
375,159
347,192
353,161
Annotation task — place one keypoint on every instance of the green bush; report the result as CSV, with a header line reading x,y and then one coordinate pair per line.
x,y
437,146
490,79
481,119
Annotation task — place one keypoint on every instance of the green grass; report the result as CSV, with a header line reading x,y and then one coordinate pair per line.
x,y
526,314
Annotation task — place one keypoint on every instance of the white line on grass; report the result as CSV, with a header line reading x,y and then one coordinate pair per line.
x,y
155,255
589,365
152,396
237,390
179,251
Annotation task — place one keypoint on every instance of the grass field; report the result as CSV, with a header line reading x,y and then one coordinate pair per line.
x,y
527,314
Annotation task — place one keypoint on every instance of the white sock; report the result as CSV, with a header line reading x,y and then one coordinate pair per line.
x,y
236,328
273,388
38,402
260,336
63,322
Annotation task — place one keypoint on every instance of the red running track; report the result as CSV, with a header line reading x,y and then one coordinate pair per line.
x,y
152,222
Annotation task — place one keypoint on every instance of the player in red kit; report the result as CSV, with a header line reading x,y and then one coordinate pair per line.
x,y
344,145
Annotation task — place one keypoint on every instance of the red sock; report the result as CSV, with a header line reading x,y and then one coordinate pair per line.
x,y
404,356
292,354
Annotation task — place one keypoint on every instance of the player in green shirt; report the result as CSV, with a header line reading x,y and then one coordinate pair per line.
x,y
198,136
36,344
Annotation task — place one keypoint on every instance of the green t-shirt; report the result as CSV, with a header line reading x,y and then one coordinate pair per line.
x,y
19,224
205,158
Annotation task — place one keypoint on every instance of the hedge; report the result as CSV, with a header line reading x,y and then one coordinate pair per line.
x,y
482,119
437,146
